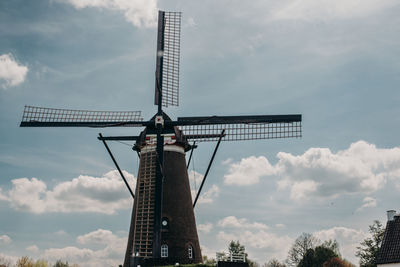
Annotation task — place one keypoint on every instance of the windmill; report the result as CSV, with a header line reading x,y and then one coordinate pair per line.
x,y
163,228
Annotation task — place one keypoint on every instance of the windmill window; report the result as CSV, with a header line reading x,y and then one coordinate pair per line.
x,y
190,252
164,251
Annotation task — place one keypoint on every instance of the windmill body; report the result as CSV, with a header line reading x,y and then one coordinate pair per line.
x,y
163,227
179,239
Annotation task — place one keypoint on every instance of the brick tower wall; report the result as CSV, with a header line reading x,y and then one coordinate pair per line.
x,y
181,231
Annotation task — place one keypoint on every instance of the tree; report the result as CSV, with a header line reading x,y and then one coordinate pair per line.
x,y
207,260
323,254
25,262
252,263
237,248
308,259
274,263
299,248
59,263
319,255
41,263
332,245
368,251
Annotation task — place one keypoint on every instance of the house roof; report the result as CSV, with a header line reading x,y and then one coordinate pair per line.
x,y
390,248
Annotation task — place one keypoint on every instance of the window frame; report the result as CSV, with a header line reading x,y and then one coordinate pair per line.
x,y
190,252
164,251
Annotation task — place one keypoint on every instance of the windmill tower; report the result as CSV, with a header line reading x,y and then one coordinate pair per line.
x,y
163,228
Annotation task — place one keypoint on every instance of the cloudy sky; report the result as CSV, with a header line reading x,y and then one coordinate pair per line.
x,y
334,61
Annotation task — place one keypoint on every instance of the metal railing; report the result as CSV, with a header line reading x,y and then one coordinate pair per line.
x,y
231,257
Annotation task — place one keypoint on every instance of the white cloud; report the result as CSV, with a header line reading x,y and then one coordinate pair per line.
x,y
369,202
5,239
302,189
205,251
61,233
264,242
227,161
2,196
191,22
99,236
208,196
33,249
205,228
11,71
243,223
7,259
362,168
71,254
255,236
347,238
141,13
111,254
83,194
330,9
248,171
195,180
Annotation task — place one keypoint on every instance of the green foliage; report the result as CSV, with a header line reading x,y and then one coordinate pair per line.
x,y
41,263
252,263
332,245
235,247
323,254
368,251
28,262
308,259
209,261
319,255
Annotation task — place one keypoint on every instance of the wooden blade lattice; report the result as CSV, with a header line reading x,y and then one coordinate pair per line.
x,y
241,131
51,117
168,57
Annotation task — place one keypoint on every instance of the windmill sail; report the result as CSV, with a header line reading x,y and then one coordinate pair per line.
x,y
52,117
168,56
241,127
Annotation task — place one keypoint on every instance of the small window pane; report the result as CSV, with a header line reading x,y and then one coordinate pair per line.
x,y
190,252
164,251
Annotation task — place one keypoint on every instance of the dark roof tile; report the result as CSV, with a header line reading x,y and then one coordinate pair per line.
x,y
390,248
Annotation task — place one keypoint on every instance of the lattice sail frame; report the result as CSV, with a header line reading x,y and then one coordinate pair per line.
x,y
242,131
168,58
40,114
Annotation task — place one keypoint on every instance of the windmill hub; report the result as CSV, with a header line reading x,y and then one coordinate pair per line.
x,y
159,121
